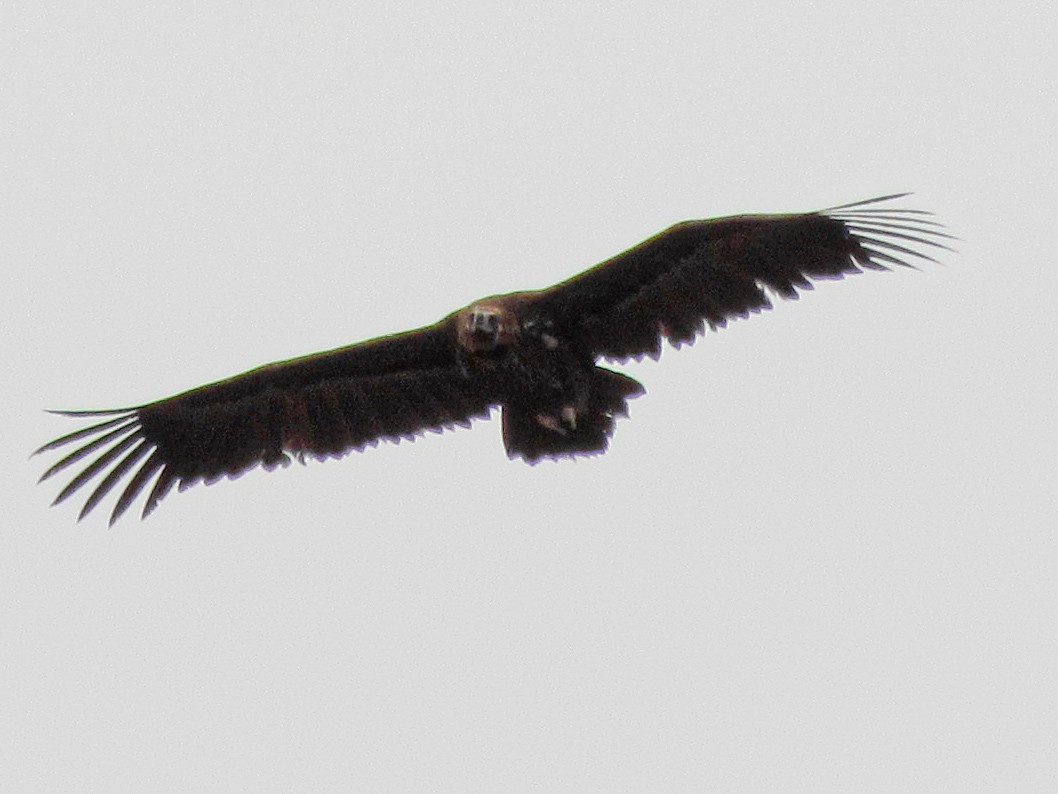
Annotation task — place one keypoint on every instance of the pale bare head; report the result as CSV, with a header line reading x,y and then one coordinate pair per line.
x,y
486,325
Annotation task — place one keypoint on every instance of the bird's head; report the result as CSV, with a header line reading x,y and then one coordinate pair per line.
x,y
487,325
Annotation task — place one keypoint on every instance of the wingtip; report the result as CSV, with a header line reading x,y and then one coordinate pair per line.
x,y
75,412
865,202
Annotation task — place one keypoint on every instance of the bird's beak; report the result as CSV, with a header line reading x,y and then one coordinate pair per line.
x,y
484,327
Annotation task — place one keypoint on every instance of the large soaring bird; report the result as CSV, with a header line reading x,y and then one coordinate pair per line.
x,y
533,354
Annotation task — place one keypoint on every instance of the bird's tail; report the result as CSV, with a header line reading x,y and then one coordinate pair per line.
x,y
532,432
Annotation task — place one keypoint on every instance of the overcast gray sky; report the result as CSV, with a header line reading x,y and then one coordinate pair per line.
x,y
821,554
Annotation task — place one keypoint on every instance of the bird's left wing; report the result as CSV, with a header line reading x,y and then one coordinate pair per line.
x,y
704,273
321,406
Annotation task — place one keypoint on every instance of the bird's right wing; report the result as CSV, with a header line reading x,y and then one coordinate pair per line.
x,y
321,405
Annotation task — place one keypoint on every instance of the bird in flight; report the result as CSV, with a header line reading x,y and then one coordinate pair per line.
x,y
532,354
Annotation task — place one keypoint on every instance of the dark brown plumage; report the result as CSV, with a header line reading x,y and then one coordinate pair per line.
x,y
531,353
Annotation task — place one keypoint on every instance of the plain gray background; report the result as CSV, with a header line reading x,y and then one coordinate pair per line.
x,y
821,554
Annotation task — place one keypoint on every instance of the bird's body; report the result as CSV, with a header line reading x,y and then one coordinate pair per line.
x,y
533,354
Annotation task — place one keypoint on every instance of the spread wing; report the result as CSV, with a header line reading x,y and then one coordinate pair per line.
x,y
700,273
321,406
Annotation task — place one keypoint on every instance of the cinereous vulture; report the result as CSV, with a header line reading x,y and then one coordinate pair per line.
x,y
533,354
